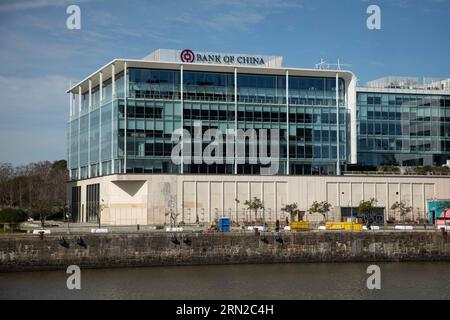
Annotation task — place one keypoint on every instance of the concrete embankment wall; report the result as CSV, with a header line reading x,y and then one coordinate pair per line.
x,y
27,252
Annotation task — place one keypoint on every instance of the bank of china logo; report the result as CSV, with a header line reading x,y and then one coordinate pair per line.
x,y
187,56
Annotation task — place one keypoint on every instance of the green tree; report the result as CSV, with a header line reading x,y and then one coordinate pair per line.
x,y
292,209
255,204
366,207
320,207
11,217
402,208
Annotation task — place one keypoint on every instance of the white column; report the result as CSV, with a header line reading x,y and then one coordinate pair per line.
x,y
113,96
182,119
100,88
235,121
79,111
287,122
90,94
125,94
69,149
236,208
113,81
89,127
338,161
196,200
209,201
351,92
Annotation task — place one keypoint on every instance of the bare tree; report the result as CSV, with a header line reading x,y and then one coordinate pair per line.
x,y
39,188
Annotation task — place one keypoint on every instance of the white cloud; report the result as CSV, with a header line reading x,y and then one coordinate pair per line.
x,y
22,5
224,15
237,20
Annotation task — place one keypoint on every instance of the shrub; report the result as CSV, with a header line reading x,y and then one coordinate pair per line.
x,y
388,168
11,215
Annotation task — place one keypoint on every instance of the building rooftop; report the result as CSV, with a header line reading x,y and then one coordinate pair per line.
x,y
204,61
410,83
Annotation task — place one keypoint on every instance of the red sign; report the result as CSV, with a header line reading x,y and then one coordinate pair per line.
x,y
187,56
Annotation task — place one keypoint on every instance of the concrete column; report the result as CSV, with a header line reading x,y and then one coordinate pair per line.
x,y
182,118
351,92
424,207
69,149
113,96
275,202
338,160
412,200
235,121
125,94
196,200
101,87
223,199
209,201
113,81
100,125
235,202
89,127
79,111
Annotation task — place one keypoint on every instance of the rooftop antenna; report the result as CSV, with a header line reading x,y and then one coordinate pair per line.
x,y
322,65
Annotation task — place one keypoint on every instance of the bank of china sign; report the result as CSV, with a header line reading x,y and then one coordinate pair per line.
x,y
189,56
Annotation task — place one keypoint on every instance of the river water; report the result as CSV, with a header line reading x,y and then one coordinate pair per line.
x,y
277,281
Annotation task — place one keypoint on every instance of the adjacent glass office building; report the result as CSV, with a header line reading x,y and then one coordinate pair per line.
x,y
403,128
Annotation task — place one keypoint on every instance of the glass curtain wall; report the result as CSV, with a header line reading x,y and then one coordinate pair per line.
x,y
153,113
403,129
93,132
313,125
262,105
154,110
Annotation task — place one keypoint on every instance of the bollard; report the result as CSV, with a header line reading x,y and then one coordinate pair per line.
x,y
137,227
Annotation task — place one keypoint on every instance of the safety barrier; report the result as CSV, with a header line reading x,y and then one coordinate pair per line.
x,y
343,226
299,225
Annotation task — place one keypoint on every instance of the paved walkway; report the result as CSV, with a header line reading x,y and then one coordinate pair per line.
x,y
58,227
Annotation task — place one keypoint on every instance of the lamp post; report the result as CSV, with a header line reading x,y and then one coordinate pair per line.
x,y
68,216
237,210
351,213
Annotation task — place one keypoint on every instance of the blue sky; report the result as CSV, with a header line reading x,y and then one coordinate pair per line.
x,y
39,55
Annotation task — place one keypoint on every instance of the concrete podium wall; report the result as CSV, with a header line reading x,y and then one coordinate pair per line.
x,y
130,199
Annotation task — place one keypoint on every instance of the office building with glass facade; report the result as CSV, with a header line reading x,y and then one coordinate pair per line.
x,y
122,120
122,117
403,127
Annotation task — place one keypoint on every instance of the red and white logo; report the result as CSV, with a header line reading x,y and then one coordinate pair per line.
x,y
187,56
